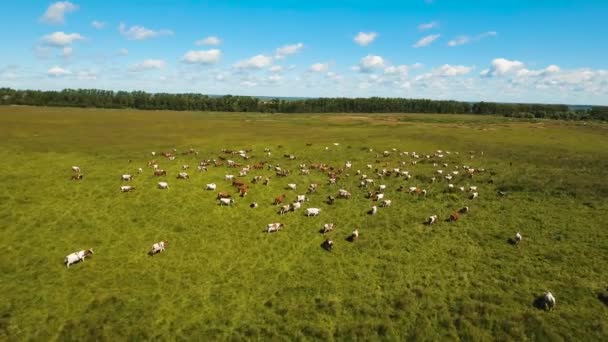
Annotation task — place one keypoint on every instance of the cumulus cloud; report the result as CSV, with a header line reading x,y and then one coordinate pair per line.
x,y
401,70
370,63
140,33
55,13
58,72
319,67
211,40
202,56
365,38
61,39
426,41
149,64
502,66
287,50
255,62
461,40
452,70
428,26
98,24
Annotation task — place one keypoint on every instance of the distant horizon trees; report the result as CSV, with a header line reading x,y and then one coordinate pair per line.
x,y
97,98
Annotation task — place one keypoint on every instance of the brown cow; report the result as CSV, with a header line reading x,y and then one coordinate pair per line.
x,y
237,184
454,217
223,195
279,199
160,172
243,190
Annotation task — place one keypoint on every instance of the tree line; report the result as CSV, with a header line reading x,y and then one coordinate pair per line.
x,y
199,102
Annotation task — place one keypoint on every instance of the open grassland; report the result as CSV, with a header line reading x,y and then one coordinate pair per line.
x,y
222,277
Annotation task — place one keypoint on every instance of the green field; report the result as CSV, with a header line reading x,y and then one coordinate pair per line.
x,y
223,278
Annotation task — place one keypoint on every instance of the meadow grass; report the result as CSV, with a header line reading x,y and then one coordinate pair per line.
x,y
222,277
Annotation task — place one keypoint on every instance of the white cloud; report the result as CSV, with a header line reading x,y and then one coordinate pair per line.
x,y
365,38
319,67
67,52
202,56
426,41
401,70
61,39
452,70
123,52
502,66
98,24
369,63
149,64
56,12
461,40
86,75
273,79
287,50
276,68
255,62
249,83
428,26
220,77
141,33
58,72
211,40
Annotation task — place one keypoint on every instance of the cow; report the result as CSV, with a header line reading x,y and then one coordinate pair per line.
x,y
373,210
183,175
284,209
226,201
211,186
431,220
237,183
127,188
343,194
474,195
163,185
354,235
330,200
386,203
378,197
243,190
158,247
328,227
76,169
185,167
463,210
548,301
266,181
279,199
221,195
77,176
126,177
77,257
328,245
291,186
140,170
229,177
274,227
517,238
253,205
301,198
454,217
160,173
312,212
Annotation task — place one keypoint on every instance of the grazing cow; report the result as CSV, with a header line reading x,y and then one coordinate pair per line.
x,y
312,212
158,247
348,165
253,205
328,245
183,175
373,210
343,194
76,169
127,188
464,210
454,217
266,181
77,256
295,206
301,198
223,195
126,177
185,167
291,186
378,197
474,195
226,201
381,187
243,190
386,203
237,183
330,200
211,186
274,227
140,170
332,181
354,235
517,238
256,179
549,301
160,173
77,176
229,177
284,209
201,168
312,188
472,188
163,185
328,227
431,220
279,199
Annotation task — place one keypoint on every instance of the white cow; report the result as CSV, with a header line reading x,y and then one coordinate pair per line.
x,y
343,194
348,165
301,198
183,175
354,235
158,247
373,211
127,188
472,188
77,256
185,167
274,227
229,177
226,201
163,185
126,177
474,195
432,219
295,206
328,227
378,197
549,301
291,186
210,186
517,237
312,212
386,203
140,170
76,169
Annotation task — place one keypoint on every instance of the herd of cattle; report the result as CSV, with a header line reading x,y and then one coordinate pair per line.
x,y
388,166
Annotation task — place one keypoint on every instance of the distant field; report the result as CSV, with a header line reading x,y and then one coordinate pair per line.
x,y
223,278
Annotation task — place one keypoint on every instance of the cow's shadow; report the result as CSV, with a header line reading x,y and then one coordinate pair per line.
x,y
540,303
603,297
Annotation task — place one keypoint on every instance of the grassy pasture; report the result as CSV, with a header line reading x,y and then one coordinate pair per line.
x,y
223,278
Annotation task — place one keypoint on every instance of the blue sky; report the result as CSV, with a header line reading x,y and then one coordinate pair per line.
x,y
516,51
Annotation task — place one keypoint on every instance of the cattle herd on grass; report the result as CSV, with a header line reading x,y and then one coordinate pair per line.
x,y
373,181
